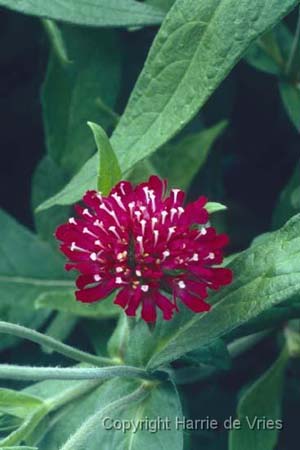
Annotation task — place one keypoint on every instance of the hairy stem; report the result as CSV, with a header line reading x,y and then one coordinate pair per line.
x,y
59,347
26,373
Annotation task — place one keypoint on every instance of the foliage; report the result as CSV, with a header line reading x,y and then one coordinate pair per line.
x,y
207,95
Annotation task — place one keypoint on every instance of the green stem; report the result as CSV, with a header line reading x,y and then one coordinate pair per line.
x,y
78,440
66,350
294,48
25,373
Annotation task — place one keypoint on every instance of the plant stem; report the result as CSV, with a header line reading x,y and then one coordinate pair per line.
x,y
78,440
26,373
66,350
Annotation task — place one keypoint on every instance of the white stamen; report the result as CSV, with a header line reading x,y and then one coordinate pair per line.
x,y
74,247
121,256
97,277
143,208
211,255
138,273
154,220
180,211
166,253
182,284
87,231
119,201
173,212
175,192
119,280
203,231
86,212
93,256
156,234
98,223
73,221
98,243
143,224
170,232
146,191
119,269
145,288
112,228
140,241
114,216
153,204
105,208
131,205
164,215
138,215
195,257
122,188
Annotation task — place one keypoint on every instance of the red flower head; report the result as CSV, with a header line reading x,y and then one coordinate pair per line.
x,y
143,245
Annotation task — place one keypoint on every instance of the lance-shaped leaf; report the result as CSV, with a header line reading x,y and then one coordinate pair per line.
x,y
75,92
196,47
261,401
28,267
264,275
109,170
17,404
162,401
95,13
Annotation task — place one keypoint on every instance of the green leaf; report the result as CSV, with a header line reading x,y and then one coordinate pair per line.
x,y
17,403
71,94
290,96
26,428
196,47
75,189
179,162
95,13
47,178
60,328
261,400
215,355
119,339
64,301
109,170
213,207
19,448
73,415
289,200
270,52
270,268
28,268
163,401
57,40
164,5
